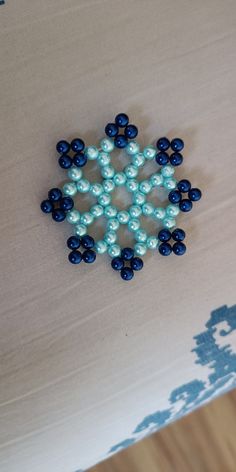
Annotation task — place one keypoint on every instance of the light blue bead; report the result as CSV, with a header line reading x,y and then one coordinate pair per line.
x,y
132,185
140,249
108,186
172,211
113,224
96,190
149,152
80,230
131,172
114,250
103,159
159,213
139,198
86,218
110,237
104,199
152,242
101,247
138,160
108,172
167,171
97,211
134,224
110,211
75,174
148,209
123,217
156,180
69,189
83,186
169,223
140,236
170,183
73,216
119,179
135,211
107,145
91,152
145,187
132,148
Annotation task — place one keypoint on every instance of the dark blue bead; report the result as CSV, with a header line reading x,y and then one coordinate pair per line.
x,y
73,242
111,130
165,249
89,256
174,196
87,241
77,145
117,263
179,249
127,253
126,273
178,234
162,158
136,263
66,203
63,147
75,257
58,215
80,159
120,141
122,120
46,206
163,144
185,205
184,185
65,162
164,235
176,159
194,194
177,144
55,194
131,131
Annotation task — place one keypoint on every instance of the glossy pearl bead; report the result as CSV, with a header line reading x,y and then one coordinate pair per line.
x,y
170,183
194,194
139,198
169,223
156,180
114,250
73,242
62,147
117,263
89,256
176,159
133,225
75,257
136,263
97,211
132,148
131,131
111,130
135,211
54,195
159,213
91,153
110,211
107,145
77,145
75,174
162,158
147,209
104,159
163,144
120,141
165,249
126,273
140,249
132,185
87,241
140,236
152,242
164,235
86,218
108,186
65,162
46,206
131,172
149,152
177,144
119,179
107,172
73,216
110,237
83,186
101,247
175,196
178,234
104,199
138,160
80,230
184,185
113,224
123,217
80,159
179,248
172,211
96,190
66,203
167,171
122,120
185,205
145,187
127,253
58,215
70,189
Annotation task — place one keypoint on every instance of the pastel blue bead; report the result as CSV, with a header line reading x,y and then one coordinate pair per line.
x,y
97,211
147,209
104,159
172,210
156,180
138,160
91,153
167,171
132,148
86,218
119,179
80,230
107,172
159,213
123,217
70,189
140,249
145,187
96,190
104,199
108,186
107,145
134,224
101,247
110,237
63,147
114,250
152,242
139,198
149,152
140,235
75,174
132,185
169,223
131,172
113,224
83,186
135,211
110,211
73,216
170,183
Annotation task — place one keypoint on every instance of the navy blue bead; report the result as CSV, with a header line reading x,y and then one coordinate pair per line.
x,y
177,144
55,194
117,263
58,215
122,120
194,194
127,253
73,242
136,263
176,159
77,145
178,234
75,257
111,130
66,203
87,241
46,206
65,162
185,205
184,185
163,144
131,131
89,256
174,196
165,249
126,273
120,141
80,159
162,158
179,249
63,147
164,235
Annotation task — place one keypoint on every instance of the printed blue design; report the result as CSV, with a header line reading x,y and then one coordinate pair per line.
x,y
210,351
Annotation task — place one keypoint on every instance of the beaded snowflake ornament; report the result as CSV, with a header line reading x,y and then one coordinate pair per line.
x,y
179,197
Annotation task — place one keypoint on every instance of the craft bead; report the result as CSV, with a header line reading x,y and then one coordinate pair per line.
x,y
162,158
111,130
114,250
75,174
178,234
65,162
83,186
86,218
80,230
119,179
104,199
132,185
135,211
122,120
194,194
97,211
136,263
177,144
167,171
73,216
63,147
126,273
89,256
165,249
107,172
123,217
163,144
127,253
58,215
96,190
159,213
55,194
184,185
110,211
175,196
131,131
113,224
132,148
70,189
73,242
185,205
66,203
110,237
46,206
140,249
149,152
147,209
172,211
120,141
117,263
77,145
134,224
75,257
139,198
152,242
107,145
131,171
170,183
92,153
87,241
156,180
101,247
80,159
138,160
169,223
179,248
176,159
104,159
140,236
108,186
145,187
164,235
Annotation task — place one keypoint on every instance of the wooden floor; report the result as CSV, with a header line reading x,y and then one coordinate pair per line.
x,y
204,441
